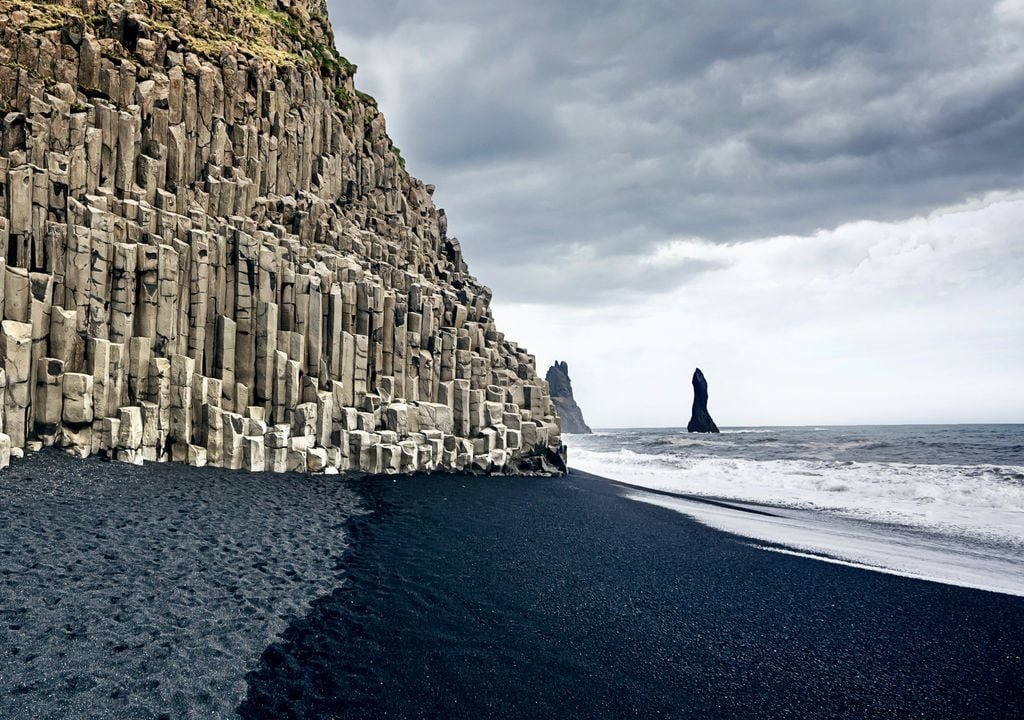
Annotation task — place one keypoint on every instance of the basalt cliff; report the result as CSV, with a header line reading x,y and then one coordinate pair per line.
x,y
211,252
561,394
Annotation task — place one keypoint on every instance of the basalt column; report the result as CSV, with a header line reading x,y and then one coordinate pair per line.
x,y
211,252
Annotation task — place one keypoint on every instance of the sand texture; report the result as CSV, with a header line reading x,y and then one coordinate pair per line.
x,y
173,592
130,592
521,598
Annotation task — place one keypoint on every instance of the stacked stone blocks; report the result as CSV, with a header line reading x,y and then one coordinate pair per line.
x,y
217,262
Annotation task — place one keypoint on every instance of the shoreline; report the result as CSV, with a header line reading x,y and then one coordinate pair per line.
x,y
454,596
828,536
519,599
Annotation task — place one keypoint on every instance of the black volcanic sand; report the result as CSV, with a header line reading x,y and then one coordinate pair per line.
x,y
149,592
532,598
158,592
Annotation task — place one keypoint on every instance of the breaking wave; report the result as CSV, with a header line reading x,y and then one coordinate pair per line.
x,y
983,501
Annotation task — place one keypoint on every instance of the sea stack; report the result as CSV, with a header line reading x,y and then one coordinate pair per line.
x,y
700,419
561,394
211,252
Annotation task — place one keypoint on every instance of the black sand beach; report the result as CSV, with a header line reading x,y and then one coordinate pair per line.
x,y
151,592
148,592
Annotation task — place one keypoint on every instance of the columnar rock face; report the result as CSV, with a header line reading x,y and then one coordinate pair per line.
x,y
211,252
700,418
569,412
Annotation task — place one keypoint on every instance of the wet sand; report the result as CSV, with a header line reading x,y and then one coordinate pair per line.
x,y
170,592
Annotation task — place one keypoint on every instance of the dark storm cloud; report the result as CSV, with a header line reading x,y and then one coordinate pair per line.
x,y
463,128
562,134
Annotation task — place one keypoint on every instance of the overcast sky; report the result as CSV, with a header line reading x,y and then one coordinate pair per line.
x,y
821,204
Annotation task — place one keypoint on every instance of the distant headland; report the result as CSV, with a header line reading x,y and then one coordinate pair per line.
x,y
561,394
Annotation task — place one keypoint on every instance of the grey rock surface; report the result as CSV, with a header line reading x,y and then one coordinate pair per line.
x,y
569,412
216,230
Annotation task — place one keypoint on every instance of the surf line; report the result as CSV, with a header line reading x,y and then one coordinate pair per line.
x,y
885,570
704,500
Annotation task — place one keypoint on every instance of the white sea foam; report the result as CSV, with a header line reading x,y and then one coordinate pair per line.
x,y
881,548
980,502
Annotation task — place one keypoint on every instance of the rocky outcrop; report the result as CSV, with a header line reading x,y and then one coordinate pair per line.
x,y
561,394
700,418
211,252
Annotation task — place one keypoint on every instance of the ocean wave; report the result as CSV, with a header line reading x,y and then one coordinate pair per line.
x,y
700,441
913,445
980,501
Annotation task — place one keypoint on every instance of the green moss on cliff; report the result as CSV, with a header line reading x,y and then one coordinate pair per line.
x,y
285,35
398,155
367,99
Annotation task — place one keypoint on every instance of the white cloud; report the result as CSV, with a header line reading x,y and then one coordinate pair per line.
x,y
913,321
1010,12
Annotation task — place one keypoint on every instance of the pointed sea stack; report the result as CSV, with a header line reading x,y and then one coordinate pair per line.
x,y
700,419
561,394
211,252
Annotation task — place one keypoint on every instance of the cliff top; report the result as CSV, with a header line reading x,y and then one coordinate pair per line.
x,y
282,32
277,30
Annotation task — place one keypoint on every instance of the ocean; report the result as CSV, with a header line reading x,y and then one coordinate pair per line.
x,y
943,502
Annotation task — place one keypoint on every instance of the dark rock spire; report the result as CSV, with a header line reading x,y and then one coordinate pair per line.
x,y
700,419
